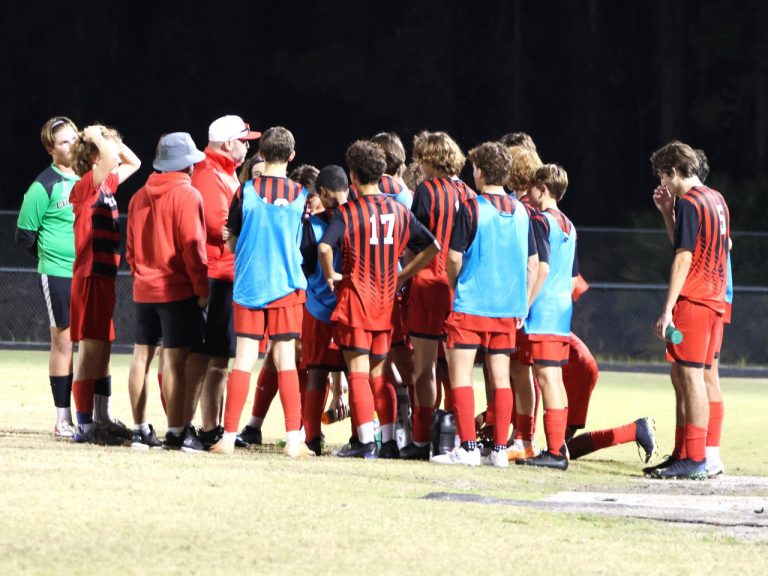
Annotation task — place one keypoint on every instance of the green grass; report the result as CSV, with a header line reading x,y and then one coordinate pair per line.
x,y
82,509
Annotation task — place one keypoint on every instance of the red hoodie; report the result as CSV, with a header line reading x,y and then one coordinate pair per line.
x,y
215,178
165,247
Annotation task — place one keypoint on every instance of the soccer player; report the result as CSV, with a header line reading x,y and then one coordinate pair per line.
x,y
698,221
320,352
216,179
371,232
166,251
103,162
435,204
521,139
265,219
548,326
492,259
44,228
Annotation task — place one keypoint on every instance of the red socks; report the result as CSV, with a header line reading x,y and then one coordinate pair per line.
x,y
266,388
290,398
715,426
679,450
312,412
384,399
237,393
555,423
524,428
695,442
360,399
422,420
464,410
83,391
502,409
589,442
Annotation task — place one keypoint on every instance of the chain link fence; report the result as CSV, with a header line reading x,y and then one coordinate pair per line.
x,y
627,270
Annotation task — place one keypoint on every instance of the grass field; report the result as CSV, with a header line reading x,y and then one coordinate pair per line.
x,y
82,509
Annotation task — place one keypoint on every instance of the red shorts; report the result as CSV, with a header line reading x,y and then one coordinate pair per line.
x,y
542,349
427,309
373,342
279,323
702,334
319,350
91,308
491,335
399,335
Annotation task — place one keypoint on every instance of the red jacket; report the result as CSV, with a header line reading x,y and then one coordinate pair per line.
x,y
165,246
216,179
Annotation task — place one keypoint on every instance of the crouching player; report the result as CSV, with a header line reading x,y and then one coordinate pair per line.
x,y
491,250
320,351
371,232
548,326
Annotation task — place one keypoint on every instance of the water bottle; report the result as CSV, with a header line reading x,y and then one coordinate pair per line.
x,y
376,429
329,416
672,334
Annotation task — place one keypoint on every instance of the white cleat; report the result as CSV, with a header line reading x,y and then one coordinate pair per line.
x,y
498,459
459,456
64,429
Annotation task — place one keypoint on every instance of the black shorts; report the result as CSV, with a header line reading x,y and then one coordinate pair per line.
x,y
177,324
219,333
57,292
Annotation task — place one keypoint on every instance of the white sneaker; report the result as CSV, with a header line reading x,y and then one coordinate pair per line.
x,y
499,459
715,468
458,456
64,429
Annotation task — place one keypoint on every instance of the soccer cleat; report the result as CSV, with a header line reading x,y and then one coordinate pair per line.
x,y
64,429
666,463
145,441
458,456
519,452
98,434
546,459
497,458
117,428
414,452
223,446
298,449
389,450
316,445
210,437
685,469
358,450
644,437
186,442
251,435
715,468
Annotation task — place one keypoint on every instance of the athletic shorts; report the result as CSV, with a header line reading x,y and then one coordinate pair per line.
x,y
219,335
177,324
91,308
702,334
719,338
319,349
279,323
542,349
56,294
399,334
491,335
375,343
427,310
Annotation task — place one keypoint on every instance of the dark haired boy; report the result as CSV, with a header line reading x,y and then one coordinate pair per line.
x,y
371,233
265,220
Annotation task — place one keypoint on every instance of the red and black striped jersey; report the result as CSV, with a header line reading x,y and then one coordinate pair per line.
x,y
97,227
436,203
372,232
388,185
276,190
703,226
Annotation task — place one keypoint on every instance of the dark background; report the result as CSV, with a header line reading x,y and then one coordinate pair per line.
x,y
599,84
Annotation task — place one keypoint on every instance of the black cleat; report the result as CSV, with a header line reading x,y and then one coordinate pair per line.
x,y
666,463
145,441
116,428
645,438
413,452
358,450
186,442
685,469
546,459
316,445
210,437
98,434
389,450
250,435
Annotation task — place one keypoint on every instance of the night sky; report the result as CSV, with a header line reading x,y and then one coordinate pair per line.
x,y
599,84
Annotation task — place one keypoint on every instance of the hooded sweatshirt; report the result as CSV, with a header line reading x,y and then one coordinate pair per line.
x,y
165,246
216,179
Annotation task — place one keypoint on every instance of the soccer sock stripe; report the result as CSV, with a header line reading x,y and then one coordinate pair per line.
x,y
290,398
361,403
695,442
715,425
266,389
464,409
82,391
555,423
384,399
237,393
502,408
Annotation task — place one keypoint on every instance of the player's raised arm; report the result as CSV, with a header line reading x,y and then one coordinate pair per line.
x,y
129,163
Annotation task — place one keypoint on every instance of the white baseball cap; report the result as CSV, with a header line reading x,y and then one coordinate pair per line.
x,y
230,128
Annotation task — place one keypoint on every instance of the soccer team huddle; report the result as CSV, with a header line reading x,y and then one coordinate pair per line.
x,y
386,280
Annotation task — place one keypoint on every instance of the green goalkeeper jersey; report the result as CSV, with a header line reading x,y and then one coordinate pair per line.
x,y
45,225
